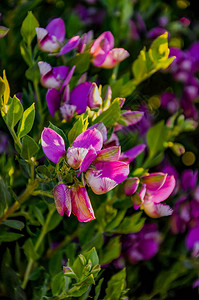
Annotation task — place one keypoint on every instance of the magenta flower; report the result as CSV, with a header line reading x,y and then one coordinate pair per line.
x,y
155,188
104,55
51,39
73,200
100,168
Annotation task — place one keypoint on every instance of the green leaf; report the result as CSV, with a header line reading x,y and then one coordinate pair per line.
x,y
58,284
29,147
116,220
9,236
33,74
130,224
14,112
110,116
60,132
3,31
2,90
79,289
14,224
55,263
79,126
26,54
29,250
55,220
26,122
7,89
116,285
28,31
92,255
43,171
98,289
156,136
81,61
39,215
110,251
5,196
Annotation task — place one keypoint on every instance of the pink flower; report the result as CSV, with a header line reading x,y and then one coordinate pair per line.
x,y
155,188
62,196
51,39
81,205
104,55
73,200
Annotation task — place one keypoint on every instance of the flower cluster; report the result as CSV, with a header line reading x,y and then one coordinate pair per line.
x,y
101,169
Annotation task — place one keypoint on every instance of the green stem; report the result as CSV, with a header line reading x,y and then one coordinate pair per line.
x,y
39,104
29,190
36,247
39,192
114,74
15,138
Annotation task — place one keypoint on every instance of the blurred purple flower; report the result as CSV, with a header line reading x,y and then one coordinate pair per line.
x,y
142,245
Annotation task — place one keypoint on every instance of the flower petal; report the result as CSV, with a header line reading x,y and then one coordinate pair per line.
x,y
81,205
62,198
94,98
70,45
53,99
106,175
90,137
79,96
154,181
192,237
156,210
89,158
53,145
162,193
114,57
57,28
131,185
109,154
130,155
102,128
75,156
67,111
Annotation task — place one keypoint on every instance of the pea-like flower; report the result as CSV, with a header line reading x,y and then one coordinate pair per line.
x,y
149,191
51,38
101,168
104,55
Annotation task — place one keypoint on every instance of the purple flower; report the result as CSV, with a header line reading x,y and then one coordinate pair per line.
x,y
51,39
104,55
142,245
192,240
170,102
155,32
57,81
